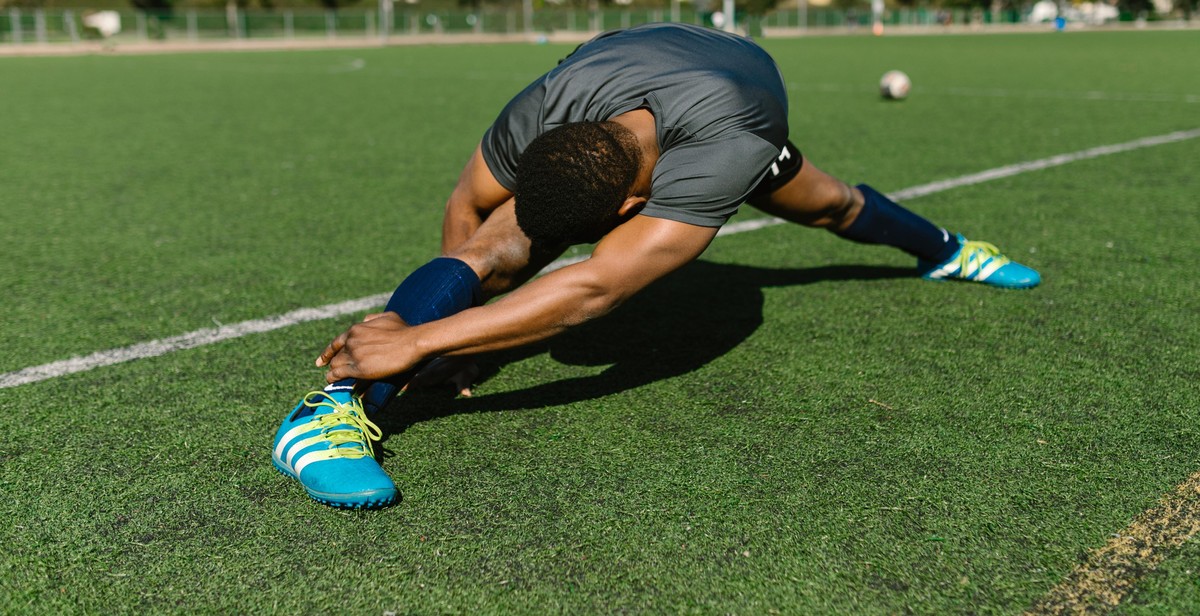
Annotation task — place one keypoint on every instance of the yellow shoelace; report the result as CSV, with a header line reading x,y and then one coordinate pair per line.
x,y
979,251
352,440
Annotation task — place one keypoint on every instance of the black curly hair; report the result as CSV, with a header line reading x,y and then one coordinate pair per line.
x,y
572,180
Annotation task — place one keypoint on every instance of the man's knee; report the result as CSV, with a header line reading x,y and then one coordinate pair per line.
x,y
841,205
813,199
496,250
502,257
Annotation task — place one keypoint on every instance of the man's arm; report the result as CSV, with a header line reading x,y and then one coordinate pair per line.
x,y
474,198
628,259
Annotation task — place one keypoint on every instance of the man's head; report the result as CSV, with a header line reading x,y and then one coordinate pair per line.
x,y
574,182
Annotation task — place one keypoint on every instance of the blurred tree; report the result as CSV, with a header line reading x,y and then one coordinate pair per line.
x,y
755,7
264,4
966,4
156,8
1188,7
1136,7
476,5
753,10
334,5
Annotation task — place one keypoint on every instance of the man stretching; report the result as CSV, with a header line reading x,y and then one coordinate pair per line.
x,y
644,140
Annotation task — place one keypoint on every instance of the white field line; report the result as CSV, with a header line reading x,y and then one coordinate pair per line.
x,y
343,66
207,336
1090,95
1074,95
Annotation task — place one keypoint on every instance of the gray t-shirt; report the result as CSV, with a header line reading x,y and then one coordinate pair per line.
x,y
718,100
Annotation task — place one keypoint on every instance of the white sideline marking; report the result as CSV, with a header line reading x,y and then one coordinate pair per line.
x,y
342,66
1090,95
356,64
210,335
1045,163
189,340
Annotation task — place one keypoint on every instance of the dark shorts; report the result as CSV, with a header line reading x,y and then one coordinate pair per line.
x,y
782,171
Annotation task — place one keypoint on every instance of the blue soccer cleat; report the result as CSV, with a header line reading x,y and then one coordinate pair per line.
x,y
980,262
325,444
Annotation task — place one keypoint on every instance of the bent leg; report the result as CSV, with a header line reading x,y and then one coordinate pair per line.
x,y
495,260
436,290
501,255
325,441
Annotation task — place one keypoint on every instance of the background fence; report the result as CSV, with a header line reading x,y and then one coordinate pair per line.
x,y
54,26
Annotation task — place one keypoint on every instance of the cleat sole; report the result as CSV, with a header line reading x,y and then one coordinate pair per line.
x,y
370,499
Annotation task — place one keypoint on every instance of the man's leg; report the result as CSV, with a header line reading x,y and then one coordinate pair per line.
x,y
494,261
325,441
438,289
862,214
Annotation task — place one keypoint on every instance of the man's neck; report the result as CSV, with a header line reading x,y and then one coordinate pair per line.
x,y
641,123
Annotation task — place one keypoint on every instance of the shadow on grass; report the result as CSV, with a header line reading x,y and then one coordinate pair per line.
x,y
675,326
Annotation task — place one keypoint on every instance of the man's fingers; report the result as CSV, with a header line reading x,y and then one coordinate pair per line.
x,y
326,355
331,350
367,350
373,316
341,368
463,380
336,375
458,372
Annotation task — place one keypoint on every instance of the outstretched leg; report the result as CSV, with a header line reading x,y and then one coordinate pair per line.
x,y
799,192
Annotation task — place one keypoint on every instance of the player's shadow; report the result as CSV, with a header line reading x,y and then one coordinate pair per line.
x,y
675,326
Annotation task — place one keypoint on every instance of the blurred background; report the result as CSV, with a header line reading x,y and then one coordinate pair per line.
x,y
25,22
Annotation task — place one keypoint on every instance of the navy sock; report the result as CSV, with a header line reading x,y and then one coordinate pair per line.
x,y
436,290
883,221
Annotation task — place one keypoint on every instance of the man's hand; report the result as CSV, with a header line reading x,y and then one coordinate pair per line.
x,y
458,372
379,347
347,357
632,256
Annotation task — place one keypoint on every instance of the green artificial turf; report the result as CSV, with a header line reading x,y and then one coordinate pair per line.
x,y
792,423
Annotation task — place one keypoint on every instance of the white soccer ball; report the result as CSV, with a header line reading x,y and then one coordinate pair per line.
x,y
894,85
